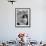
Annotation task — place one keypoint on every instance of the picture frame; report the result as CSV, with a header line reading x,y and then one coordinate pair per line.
x,y
22,17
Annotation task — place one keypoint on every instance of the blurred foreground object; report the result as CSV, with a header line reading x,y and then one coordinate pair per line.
x,y
21,36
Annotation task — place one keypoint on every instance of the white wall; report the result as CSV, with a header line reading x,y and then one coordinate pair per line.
x,y
37,30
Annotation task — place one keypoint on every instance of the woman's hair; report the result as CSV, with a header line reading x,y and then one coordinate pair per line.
x,y
25,15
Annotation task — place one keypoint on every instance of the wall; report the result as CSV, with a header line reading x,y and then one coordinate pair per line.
x,y
37,30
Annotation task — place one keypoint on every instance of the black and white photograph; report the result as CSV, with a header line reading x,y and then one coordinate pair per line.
x,y
22,17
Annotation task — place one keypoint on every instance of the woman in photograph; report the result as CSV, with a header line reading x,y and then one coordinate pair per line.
x,y
22,19
25,19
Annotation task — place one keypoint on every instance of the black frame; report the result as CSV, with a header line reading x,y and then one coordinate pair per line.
x,y
29,18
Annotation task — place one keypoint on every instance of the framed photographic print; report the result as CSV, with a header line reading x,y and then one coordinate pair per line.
x,y
22,17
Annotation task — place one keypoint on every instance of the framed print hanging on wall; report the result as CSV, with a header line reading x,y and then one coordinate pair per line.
x,y
22,17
